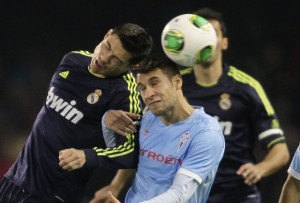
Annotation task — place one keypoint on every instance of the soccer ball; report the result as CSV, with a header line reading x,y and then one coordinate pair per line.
x,y
188,39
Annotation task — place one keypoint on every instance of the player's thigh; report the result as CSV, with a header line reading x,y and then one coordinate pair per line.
x,y
10,192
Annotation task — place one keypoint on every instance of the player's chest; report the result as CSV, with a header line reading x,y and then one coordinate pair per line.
x,y
164,148
86,92
226,104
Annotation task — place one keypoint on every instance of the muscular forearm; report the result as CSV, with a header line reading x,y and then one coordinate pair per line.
x,y
277,157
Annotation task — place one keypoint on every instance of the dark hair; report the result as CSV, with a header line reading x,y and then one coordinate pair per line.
x,y
157,61
211,14
135,40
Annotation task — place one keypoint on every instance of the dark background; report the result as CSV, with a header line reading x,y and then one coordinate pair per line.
x,y
264,42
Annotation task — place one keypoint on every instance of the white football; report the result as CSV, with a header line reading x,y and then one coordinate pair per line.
x,y
188,39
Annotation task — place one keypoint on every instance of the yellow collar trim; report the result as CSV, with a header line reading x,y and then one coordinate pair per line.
x,y
207,84
95,74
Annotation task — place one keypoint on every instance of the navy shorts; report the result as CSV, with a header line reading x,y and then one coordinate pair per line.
x,y
12,193
250,198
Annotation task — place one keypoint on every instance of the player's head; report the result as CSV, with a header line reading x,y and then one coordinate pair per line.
x,y
216,19
122,48
210,14
160,83
135,40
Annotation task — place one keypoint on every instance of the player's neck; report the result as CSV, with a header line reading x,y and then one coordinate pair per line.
x,y
208,76
179,112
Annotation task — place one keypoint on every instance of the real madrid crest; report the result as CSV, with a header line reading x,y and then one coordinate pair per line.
x,y
94,96
225,101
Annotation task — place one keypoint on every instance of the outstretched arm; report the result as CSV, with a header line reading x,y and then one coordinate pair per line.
x,y
113,120
277,157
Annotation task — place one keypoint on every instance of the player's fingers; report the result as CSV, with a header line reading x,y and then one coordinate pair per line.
x,y
251,179
246,173
130,129
244,168
119,131
65,153
123,129
133,116
67,161
112,198
72,165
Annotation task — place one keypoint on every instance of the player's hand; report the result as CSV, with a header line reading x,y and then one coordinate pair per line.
x,y
101,195
71,159
251,173
121,121
112,198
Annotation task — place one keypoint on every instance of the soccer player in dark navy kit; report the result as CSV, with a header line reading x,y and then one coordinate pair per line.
x,y
243,110
246,115
83,88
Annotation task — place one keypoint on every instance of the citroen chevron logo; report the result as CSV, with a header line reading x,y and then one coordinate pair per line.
x,y
64,74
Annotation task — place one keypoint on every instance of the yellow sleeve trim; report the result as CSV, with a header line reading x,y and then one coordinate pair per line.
x,y
120,150
186,71
82,52
247,79
275,141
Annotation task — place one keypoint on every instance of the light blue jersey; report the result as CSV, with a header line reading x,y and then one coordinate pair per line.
x,y
294,169
193,147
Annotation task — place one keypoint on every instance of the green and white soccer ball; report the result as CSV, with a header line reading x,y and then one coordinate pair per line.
x,y
188,39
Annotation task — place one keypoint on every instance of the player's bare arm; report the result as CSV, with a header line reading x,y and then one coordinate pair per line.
x,y
277,157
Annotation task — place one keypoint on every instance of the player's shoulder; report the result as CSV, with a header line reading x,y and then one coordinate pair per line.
x,y
186,71
206,128
243,81
241,76
77,57
203,121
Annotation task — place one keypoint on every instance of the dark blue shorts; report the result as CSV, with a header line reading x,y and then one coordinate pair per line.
x,y
254,198
12,193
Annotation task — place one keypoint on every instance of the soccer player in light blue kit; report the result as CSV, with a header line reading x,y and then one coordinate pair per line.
x,y
291,188
180,146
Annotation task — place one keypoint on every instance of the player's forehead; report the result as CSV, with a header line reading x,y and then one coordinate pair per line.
x,y
117,49
216,24
156,74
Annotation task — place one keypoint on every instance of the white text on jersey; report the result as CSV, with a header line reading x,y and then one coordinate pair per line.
x,y
66,109
226,126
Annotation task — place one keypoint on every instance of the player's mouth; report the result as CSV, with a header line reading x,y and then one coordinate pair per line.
x,y
98,66
154,103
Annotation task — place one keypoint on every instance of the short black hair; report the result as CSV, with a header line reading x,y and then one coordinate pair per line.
x,y
157,61
135,39
211,14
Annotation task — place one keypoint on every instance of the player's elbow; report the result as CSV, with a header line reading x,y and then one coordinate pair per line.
x,y
284,153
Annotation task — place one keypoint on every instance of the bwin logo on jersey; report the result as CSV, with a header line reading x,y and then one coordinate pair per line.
x,y
64,108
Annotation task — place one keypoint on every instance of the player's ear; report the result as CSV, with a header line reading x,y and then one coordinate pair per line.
x,y
177,80
225,43
108,33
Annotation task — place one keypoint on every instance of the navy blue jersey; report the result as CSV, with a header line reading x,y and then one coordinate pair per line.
x,y
71,118
245,115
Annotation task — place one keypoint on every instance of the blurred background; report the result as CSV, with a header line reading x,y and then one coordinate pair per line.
x,y
35,34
